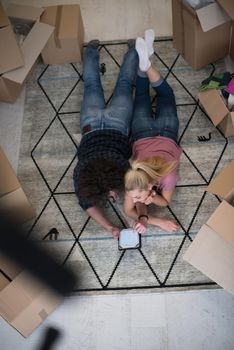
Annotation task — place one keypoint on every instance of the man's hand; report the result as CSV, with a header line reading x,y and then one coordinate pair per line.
x,y
115,231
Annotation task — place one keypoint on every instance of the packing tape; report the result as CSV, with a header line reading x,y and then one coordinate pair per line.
x,y
57,26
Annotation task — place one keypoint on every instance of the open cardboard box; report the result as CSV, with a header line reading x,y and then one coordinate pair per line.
x,y
212,250
203,36
24,301
11,83
11,56
217,111
66,43
13,200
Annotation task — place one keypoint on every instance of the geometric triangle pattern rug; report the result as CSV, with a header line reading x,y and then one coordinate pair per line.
x,y
50,136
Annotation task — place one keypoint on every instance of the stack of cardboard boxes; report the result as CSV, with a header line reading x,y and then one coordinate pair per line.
x,y
24,301
36,25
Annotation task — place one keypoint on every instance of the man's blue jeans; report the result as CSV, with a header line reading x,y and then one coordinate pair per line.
x,y
95,115
146,123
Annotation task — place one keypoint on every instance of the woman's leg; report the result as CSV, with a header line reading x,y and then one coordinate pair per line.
x,y
118,114
166,121
93,100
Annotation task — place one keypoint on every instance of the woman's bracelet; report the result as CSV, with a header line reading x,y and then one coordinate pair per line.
x,y
143,216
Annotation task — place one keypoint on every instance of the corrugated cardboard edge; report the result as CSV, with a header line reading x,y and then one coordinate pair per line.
x,y
213,256
31,48
223,183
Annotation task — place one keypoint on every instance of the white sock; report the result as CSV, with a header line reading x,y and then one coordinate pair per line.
x,y
149,39
141,47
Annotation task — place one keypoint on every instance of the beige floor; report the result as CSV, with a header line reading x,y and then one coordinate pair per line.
x,y
117,19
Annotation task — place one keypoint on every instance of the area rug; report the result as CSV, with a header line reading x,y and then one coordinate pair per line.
x,y
50,135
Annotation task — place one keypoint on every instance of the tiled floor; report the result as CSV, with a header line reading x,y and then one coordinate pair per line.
x,y
170,321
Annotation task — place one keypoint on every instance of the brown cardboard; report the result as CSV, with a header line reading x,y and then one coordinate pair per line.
x,y
223,183
213,256
13,201
24,301
212,250
30,13
11,56
217,111
8,179
11,83
66,44
199,47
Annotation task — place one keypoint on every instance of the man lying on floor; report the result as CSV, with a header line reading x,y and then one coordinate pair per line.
x,y
105,148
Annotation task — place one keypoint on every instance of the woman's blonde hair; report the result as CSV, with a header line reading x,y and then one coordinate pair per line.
x,y
147,171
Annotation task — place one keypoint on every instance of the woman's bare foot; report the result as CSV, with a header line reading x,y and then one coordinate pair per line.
x,y
168,225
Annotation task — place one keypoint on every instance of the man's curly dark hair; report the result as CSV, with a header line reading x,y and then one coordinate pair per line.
x,y
98,178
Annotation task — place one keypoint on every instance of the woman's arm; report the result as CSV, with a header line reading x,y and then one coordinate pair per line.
x,y
137,212
162,200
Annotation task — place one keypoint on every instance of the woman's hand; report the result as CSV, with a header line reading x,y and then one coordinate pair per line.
x,y
115,231
150,199
141,225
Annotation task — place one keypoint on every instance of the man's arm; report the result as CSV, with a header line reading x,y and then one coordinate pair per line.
x,y
97,215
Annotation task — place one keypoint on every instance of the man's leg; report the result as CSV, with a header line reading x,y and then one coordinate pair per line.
x,y
93,100
119,111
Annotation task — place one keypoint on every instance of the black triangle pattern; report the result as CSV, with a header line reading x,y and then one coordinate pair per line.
x,y
130,269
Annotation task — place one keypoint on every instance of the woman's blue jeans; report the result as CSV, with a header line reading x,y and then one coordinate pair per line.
x,y
95,115
146,123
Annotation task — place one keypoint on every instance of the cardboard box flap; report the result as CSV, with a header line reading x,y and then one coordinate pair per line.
x,y
18,295
212,16
213,256
31,48
228,6
24,12
36,312
68,15
213,104
8,179
223,183
4,21
221,221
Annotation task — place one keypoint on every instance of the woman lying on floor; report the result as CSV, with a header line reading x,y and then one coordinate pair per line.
x,y
152,177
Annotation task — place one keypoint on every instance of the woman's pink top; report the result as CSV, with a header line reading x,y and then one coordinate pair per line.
x,y
163,147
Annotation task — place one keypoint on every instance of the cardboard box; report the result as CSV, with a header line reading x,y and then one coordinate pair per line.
x,y
13,200
202,36
11,56
11,83
24,301
66,43
212,250
218,112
